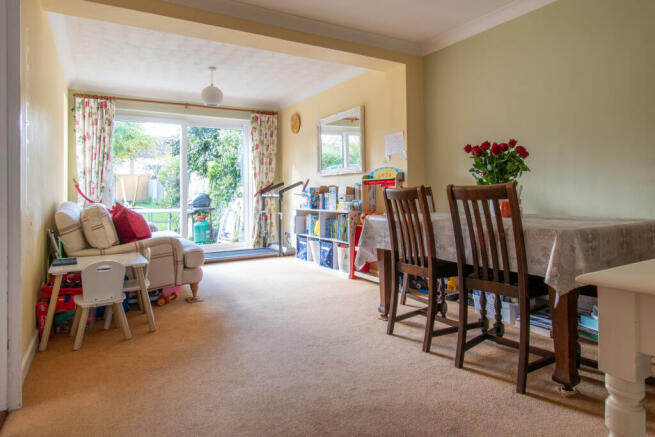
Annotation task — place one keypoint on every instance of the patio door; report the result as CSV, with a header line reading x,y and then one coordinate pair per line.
x,y
217,163
191,176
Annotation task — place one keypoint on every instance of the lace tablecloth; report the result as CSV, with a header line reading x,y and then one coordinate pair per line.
x,y
558,248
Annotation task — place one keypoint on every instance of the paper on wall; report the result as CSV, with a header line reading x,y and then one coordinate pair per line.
x,y
394,144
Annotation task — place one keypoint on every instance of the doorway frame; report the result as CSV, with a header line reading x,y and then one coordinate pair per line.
x,y
11,360
186,121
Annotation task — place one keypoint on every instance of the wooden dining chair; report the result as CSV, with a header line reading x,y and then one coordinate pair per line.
x,y
406,278
414,253
491,257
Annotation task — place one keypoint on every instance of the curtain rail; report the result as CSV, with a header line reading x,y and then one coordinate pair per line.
x,y
164,102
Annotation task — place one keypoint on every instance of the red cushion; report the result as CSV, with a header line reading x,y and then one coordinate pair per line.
x,y
130,226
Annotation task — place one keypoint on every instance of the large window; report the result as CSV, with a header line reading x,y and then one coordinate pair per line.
x,y
190,176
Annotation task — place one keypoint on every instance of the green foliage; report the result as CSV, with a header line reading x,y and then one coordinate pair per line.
x,y
131,141
497,164
331,151
215,154
354,150
169,177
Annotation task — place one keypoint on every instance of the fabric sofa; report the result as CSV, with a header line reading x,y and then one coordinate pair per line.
x,y
173,259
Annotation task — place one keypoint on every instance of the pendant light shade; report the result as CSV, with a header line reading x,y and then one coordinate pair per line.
x,y
211,95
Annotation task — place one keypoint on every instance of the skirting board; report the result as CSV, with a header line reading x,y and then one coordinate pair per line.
x,y
30,354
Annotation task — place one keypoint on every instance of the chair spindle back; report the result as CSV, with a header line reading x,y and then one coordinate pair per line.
x,y
490,255
410,226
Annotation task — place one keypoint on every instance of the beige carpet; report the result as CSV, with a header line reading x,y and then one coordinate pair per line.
x,y
279,347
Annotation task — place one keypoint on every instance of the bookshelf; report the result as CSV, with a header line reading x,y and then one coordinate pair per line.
x,y
333,228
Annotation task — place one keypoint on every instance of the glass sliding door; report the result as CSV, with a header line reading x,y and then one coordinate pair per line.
x,y
218,183
146,170
188,175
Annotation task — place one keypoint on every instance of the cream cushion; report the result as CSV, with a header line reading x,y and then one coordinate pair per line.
x,y
67,219
98,226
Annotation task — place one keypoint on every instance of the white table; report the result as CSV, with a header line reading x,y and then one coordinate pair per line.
x,y
133,260
626,323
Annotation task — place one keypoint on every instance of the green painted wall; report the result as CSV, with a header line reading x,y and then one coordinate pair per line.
x,y
575,83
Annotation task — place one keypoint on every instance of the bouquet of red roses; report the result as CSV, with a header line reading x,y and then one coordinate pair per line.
x,y
497,163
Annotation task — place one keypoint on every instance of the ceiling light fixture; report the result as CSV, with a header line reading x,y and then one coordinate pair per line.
x,y
211,95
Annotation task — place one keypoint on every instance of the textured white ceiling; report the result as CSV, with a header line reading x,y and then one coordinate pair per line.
x,y
118,59
413,26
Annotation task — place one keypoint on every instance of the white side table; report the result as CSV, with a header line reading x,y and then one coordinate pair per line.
x,y
133,259
626,341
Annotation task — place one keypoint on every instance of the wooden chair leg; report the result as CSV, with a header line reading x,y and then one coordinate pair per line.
x,y
524,345
483,312
429,324
108,316
403,293
76,321
443,306
81,326
121,319
461,330
499,328
394,303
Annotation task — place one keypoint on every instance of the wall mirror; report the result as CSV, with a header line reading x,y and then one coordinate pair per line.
x,y
341,142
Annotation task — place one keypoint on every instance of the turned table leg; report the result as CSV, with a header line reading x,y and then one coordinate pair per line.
x,y
625,416
624,350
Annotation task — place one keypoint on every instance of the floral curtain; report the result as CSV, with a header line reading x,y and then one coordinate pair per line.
x,y
94,123
263,137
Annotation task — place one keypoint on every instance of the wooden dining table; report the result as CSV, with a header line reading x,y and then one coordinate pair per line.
x,y
558,249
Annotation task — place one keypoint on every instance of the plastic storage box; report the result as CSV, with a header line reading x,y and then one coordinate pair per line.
x,y
301,248
327,254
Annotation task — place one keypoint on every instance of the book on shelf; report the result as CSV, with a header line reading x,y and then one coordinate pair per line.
x,y
540,322
588,327
337,227
311,224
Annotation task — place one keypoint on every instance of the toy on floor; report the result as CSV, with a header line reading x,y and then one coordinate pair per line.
x,y
168,294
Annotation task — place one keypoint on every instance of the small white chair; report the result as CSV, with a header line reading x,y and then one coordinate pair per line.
x,y
102,285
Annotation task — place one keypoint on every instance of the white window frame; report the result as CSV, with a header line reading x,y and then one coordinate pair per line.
x,y
185,122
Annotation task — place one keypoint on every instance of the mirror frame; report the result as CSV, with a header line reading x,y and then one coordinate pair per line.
x,y
358,111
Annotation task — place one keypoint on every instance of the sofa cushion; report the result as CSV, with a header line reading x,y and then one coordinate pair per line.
x,y
98,226
130,226
67,220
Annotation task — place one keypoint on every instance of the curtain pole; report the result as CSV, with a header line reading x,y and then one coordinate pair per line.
x,y
165,102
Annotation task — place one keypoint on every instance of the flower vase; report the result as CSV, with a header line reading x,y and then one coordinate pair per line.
x,y
505,210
